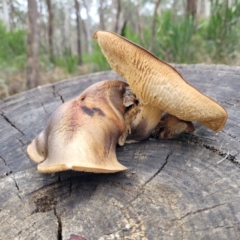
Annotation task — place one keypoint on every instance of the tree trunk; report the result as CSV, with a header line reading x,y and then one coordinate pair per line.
x,y
116,4
67,32
186,188
88,27
50,30
33,77
191,7
77,8
11,14
43,36
139,22
6,18
101,15
157,4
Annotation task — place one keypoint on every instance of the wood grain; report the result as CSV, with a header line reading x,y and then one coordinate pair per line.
x,y
173,189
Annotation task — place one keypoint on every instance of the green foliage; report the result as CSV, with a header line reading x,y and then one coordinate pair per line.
x,y
182,39
68,61
179,38
132,36
174,38
96,59
12,48
221,33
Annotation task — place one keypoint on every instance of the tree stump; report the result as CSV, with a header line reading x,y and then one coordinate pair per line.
x,y
187,188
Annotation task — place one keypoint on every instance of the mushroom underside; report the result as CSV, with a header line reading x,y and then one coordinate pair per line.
x,y
158,84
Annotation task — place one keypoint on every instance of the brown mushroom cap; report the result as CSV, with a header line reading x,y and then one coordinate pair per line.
x,y
158,84
82,133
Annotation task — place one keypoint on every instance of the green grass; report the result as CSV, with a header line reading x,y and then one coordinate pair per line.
x,y
179,39
12,49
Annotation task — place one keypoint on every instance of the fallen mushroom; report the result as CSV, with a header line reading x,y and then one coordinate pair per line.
x,y
158,87
82,133
171,127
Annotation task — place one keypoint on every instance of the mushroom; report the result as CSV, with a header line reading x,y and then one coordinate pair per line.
x,y
83,132
171,127
158,86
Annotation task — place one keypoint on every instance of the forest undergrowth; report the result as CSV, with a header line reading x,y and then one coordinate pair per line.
x,y
176,39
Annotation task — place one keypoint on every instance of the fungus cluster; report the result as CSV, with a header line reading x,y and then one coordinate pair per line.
x,y
82,133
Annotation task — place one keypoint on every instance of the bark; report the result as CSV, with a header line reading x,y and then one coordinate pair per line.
x,y
116,4
101,15
63,36
43,41
11,14
50,30
33,76
67,32
139,22
88,27
6,14
157,4
77,8
191,7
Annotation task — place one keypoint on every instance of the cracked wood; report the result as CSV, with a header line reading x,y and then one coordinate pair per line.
x,y
175,189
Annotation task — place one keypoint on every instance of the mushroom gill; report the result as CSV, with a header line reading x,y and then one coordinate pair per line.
x,y
158,84
82,133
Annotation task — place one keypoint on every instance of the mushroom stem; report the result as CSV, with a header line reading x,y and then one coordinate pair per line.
x,y
144,122
140,119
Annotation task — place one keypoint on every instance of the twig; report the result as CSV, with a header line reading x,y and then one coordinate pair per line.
x,y
223,158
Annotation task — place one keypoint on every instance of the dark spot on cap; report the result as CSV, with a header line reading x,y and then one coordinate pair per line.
x,y
99,111
88,111
91,112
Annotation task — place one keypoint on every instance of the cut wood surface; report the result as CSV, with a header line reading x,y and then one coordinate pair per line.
x,y
188,188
